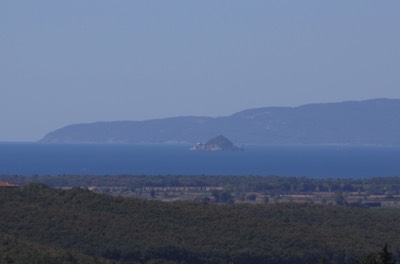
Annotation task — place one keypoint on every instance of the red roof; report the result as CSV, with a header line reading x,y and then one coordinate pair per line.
x,y
8,184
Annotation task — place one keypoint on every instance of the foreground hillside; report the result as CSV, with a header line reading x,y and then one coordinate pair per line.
x,y
371,122
80,226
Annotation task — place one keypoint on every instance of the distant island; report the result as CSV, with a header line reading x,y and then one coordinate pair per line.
x,y
217,144
370,122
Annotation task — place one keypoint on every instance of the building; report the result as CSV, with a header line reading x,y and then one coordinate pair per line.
x,y
8,185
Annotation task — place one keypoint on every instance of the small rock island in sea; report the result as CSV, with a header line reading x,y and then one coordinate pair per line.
x,y
217,144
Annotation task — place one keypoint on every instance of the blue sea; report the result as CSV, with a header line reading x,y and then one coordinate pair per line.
x,y
108,159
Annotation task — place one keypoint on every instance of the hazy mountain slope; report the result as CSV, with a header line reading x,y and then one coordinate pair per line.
x,y
355,122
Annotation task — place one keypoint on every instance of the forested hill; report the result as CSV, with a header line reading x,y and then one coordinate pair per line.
x,y
78,226
371,122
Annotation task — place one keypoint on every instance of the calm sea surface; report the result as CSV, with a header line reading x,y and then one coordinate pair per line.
x,y
316,162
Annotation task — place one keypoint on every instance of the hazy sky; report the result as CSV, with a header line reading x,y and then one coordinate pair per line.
x,y
76,61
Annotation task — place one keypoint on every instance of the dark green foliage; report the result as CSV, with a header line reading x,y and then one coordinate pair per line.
x,y
222,142
252,197
222,196
83,227
384,257
17,250
368,260
267,184
339,199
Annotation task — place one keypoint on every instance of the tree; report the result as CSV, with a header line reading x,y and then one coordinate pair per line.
x,y
252,197
222,196
386,257
368,260
339,199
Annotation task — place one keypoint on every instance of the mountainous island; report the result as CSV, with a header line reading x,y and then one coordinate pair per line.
x,y
370,122
217,144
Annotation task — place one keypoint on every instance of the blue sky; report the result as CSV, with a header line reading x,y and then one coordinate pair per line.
x,y
64,62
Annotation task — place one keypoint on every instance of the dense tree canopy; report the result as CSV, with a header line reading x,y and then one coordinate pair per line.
x,y
270,184
84,227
